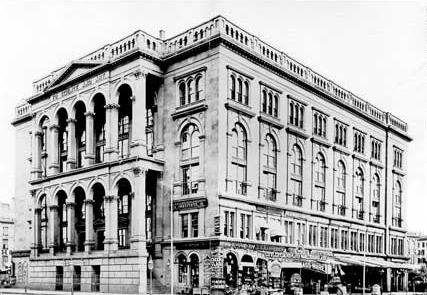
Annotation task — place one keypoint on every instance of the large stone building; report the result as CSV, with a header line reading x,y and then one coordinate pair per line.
x,y
275,172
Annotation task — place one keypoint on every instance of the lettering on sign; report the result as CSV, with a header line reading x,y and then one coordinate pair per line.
x,y
80,86
190,204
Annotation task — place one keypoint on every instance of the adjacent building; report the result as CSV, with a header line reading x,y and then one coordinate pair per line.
x,y
221,158
7,235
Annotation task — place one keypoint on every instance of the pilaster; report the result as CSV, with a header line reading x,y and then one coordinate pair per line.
x,y
90,137
71,155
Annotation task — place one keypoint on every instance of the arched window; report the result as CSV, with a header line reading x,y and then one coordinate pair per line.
x,y
246,93
199,88
269,168
397,202
182,269
124,209
182,93
264,101
270,104
233,88
80,110
359,190
44,219
62,139
319,180
80,217
190,159
63,220
340,189
295,188
190,91
194,271
276,106
291,113
238,161
125,119
376,189
99,126
44,125
98,194
239,90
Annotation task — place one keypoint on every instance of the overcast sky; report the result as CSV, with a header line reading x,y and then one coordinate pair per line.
x,y
377,50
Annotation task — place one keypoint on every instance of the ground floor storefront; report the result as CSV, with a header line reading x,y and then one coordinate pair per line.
x,y
253,268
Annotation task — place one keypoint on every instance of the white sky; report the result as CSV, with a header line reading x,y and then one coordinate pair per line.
x,y
377,50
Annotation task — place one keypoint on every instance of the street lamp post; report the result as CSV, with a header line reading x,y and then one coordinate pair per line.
x,y
150,268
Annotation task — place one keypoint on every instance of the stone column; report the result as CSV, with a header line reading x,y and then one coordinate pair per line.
x,y
36,231
405,281
139,116
70,226
53,150
89,239
111,218
53,227
388,280
139,238
71,151
36,170
90,139
111,131
202,176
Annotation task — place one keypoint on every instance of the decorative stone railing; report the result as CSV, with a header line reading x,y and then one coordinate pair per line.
x,y
22,110
219,26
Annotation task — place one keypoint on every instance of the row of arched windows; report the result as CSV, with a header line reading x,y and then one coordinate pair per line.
x,y
376,149
67,146
359,142
239,89
270,103
71,213
296,114
190,90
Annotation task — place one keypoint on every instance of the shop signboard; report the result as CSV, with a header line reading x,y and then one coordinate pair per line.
x,y
217,283
275,270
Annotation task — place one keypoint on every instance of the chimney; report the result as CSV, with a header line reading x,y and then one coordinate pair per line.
x,y
162,34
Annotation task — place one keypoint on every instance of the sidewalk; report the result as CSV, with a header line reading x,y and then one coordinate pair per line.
x,y
46,292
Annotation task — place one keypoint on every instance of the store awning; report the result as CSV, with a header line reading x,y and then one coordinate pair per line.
x,y
276,231
374,262
355,261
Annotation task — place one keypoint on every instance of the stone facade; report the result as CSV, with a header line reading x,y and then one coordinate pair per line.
x,y
261,155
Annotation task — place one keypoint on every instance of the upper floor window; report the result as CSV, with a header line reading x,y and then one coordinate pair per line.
x,y
296,113
340,133
319,124
190,159
340,189
397,158
237,181
269,102
125,120
238,87
397,204
319,180
191,89
375,206
359,142
269,167
295,188
375,149
359,192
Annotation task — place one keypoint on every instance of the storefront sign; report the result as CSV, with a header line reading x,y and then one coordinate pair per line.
x,y
190,204
320,267
217,283
217,225
275,270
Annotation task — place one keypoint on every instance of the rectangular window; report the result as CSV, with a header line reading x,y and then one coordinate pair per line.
x,y
184,225
353,241
289,232
334,238
323,237
300,233
122,237
5,231
195,224
371,243
245,221
96,278
362,242
190,183
344,239
379,244
229,224
312,235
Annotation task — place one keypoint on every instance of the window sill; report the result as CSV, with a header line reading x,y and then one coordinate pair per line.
x,y
270,120
297,131
185,110
240,108
321,140
342,149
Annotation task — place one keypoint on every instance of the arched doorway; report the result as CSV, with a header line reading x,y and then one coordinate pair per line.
x,y
194,270
247,270
230,270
